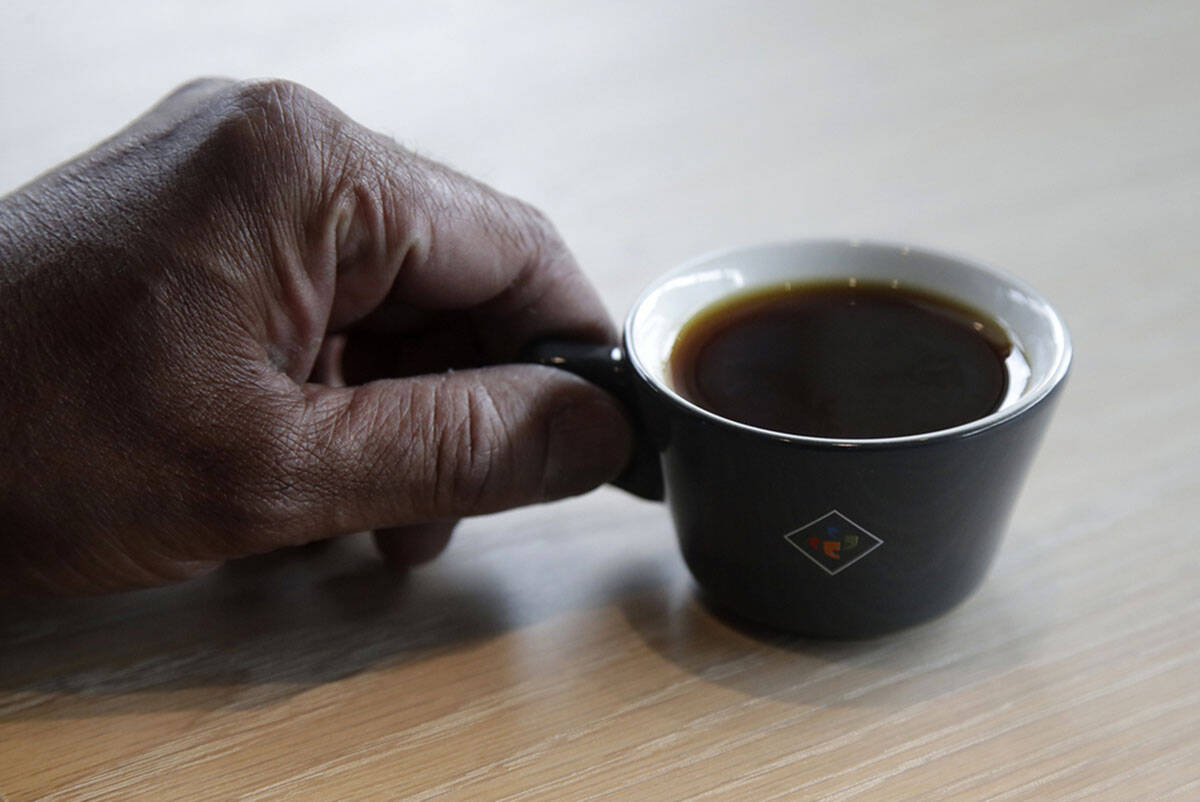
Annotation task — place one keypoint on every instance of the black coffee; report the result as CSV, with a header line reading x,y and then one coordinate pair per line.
x,y
842,360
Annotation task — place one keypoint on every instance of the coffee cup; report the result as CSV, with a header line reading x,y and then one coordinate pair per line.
x,y
828,536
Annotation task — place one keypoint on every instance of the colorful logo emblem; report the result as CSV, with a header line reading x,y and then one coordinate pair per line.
x,y
833,542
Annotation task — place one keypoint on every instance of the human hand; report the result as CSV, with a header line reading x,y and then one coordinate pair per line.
x,y
230,328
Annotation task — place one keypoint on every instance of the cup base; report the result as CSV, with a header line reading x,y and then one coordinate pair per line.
x,y
743,615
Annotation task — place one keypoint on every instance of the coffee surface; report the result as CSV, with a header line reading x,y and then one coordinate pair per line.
x,y
842,361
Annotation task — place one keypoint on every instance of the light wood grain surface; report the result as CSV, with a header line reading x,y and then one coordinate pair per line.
x,y
560,652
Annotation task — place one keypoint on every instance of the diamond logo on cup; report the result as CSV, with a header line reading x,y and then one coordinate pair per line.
x,y
833,542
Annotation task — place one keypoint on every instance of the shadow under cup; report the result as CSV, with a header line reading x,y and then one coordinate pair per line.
x,y
840,538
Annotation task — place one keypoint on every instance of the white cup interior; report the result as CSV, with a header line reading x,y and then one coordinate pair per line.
x,y
667,304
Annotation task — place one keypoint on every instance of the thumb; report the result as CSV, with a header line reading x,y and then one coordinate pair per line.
x,y
402,451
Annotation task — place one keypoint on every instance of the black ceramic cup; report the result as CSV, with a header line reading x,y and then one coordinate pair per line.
x,y
840,538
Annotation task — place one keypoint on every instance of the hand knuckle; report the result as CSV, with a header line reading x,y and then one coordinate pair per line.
x,y
277,101
268,128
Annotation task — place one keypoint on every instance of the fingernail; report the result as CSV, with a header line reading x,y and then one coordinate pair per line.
x,y
589,445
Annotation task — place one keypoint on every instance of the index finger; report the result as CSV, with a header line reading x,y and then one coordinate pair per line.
x,y
416,234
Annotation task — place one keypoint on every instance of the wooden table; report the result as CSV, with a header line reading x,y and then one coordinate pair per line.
x,y
560,652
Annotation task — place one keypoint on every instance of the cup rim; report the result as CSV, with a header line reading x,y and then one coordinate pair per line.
x,y
1029,399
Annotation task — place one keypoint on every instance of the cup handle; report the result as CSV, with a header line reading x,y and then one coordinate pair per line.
x,y
607,367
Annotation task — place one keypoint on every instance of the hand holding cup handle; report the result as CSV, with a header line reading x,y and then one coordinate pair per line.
x,y
607,367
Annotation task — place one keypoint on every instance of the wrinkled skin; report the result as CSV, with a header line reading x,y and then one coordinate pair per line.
x,y
230,328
